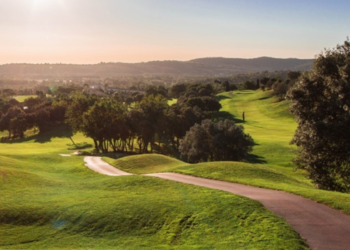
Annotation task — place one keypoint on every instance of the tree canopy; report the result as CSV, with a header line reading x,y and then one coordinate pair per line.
x,y
321,104
222,141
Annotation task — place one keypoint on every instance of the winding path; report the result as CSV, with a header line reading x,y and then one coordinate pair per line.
x,y
96,164
323,228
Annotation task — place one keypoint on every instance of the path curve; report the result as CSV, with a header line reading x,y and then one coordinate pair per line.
x,y
98,165
322,227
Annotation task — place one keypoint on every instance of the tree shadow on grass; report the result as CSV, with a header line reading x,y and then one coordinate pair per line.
x,y
221,97
252,158
56,131
264,98
78,146
118,155
222,115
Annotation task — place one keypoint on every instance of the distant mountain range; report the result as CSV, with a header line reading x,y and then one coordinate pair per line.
x,y
216,66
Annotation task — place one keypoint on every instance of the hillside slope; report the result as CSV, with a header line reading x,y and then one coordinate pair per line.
x,y
196,67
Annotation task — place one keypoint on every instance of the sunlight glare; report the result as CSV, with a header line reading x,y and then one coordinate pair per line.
x,y
41,4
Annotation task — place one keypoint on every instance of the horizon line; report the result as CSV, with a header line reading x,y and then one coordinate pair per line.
x,y
165,60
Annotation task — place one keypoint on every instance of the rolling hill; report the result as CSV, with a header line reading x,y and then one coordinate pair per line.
x,y
198,67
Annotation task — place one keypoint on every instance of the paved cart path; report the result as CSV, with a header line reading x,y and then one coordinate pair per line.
x,y
98,165
323,228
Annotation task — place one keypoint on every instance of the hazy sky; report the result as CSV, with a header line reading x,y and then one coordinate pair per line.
x,y
93,31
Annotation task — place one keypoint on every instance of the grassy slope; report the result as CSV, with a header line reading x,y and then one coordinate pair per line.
x,y
142,164
270,124
267,120
272,128
52,202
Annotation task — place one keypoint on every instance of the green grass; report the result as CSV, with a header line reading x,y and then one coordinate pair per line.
x,y
272,127
172,101
142,164
52,202
21,98
267,120
239,172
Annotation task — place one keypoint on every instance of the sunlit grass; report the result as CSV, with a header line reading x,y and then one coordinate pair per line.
x,y
21,98
54,202
172,101
239,172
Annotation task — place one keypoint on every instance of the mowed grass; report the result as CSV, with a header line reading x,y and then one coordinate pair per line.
x,y
146,164
52,202
272,127
238,172
267,120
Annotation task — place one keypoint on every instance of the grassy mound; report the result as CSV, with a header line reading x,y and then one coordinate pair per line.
x,y
146,164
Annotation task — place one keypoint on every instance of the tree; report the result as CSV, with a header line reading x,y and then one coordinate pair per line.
x,y
14,121
79,104
205,103
293,75
248,85
101,122
222,141
196,145
321,105
177,90
280,89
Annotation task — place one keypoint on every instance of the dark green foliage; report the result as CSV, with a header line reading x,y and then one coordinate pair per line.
x,y
222,141
321,104
264,81
177,90
8,92
101,122
156,90
280,89
248,85
205,103
293,75
14,121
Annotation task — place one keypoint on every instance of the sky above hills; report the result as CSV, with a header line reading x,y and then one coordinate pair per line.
x,y
93,31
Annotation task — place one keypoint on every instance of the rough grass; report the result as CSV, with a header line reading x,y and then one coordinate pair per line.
x,y
52,202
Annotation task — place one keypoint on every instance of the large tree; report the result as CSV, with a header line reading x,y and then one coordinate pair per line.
x,y
321,104
222,141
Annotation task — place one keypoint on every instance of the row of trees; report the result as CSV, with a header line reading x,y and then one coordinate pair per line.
x,y
145,124
39,113
150,123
